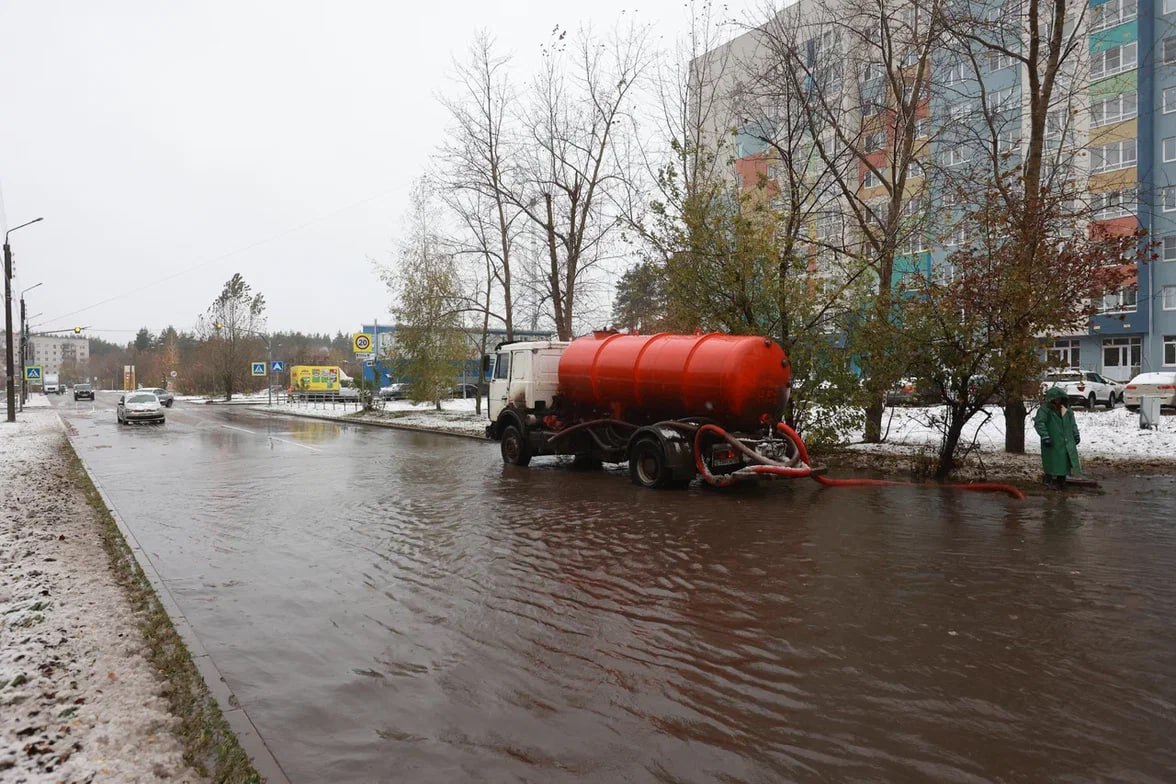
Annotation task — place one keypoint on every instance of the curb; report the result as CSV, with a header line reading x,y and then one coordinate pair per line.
x,y
385,425
238,719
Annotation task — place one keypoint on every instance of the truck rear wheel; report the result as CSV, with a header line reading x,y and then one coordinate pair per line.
x,y
515,450
648,466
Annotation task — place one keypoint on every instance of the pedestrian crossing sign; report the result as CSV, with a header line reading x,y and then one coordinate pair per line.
x,y
33,373
277,366
258,368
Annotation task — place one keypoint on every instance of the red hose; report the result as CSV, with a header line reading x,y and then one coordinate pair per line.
x,y
770,468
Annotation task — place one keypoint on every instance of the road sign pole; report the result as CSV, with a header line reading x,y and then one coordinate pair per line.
x,y
269,370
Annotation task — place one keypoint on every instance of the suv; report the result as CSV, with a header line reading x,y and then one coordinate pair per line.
x,y
165,398
83,391
1085,387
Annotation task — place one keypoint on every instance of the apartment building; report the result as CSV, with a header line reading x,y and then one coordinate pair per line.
x,y
54,353
1111,134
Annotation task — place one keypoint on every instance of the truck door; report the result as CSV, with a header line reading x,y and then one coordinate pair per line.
x,y
499,384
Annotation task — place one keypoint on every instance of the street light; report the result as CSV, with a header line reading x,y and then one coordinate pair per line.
x,y
11,385
24,347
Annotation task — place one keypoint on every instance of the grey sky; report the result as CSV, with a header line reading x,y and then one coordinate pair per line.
x,y
276,139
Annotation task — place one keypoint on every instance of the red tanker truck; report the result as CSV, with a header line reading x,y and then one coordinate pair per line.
x,y
671,406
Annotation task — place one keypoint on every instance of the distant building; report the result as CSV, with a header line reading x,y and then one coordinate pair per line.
x,y
54,353
388,368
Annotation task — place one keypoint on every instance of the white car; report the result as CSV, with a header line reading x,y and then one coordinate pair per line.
x,y
1085,387
139,406
1161,385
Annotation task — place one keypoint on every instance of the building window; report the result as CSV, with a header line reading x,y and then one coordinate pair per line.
x,y
870,179
1170,349
1170,247
1116,204
999,60
954,74
1113,12
956,155
1109,157
1000,100
1170,149
1113,61
1169,6
1116,108
1169,99
961,110
1168,297
1065,353
1168,198
1122,301
923,128
1169,50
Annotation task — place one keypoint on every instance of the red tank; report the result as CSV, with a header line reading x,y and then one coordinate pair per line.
x,y
732,379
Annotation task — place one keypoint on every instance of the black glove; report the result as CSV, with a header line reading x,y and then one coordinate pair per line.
x,y
1046,442
1077,439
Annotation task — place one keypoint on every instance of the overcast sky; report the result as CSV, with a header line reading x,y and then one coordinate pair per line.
x,y
171,144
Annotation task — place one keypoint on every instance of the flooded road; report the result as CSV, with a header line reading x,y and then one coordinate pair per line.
x,y
393,606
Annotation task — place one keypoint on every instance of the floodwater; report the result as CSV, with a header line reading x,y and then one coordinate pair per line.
x,y
392,606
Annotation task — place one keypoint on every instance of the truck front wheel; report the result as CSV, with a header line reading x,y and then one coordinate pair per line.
x,y
648,466
515,450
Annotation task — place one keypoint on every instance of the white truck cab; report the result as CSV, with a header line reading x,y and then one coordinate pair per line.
x,y
526,376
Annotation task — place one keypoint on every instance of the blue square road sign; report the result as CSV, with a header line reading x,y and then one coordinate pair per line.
x,y
258,368
277,366
33,373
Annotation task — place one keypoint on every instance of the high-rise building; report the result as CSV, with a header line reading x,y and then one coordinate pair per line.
x,y
1110,136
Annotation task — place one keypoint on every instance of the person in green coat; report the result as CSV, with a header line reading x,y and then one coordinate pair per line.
x,y
1059,438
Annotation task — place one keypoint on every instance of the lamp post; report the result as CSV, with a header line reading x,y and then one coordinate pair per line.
x,y
11,385
24,347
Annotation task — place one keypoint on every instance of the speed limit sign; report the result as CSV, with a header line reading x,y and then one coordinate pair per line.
x,y
361,342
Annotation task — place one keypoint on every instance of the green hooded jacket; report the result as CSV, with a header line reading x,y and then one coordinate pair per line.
x,y
1060,458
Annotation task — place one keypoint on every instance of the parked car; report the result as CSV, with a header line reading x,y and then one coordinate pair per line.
x,y
1085,387
83,391
139,406
393,391
1161,385
464,391
348,393
165,398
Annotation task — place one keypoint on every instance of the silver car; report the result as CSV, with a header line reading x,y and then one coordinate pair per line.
x,y
139,406
165,398
1161,385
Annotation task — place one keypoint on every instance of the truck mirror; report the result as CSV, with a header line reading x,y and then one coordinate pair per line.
x,y
485,364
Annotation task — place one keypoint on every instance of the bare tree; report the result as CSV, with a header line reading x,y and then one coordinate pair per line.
x,y
571,167
1045,41
863,69
475,161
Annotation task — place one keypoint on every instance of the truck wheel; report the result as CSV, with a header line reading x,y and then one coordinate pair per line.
x,y
515,450
647,465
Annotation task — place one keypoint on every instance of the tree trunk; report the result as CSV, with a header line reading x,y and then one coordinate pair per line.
x,y
1015,412
951,440
873,430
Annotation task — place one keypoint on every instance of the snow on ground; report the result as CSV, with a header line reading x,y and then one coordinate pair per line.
x,y
1108,434
456,416
79,700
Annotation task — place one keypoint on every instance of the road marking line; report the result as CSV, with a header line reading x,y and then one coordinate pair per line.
x,y
272,438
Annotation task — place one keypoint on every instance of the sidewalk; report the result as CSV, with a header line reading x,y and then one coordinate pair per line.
x,y
84,694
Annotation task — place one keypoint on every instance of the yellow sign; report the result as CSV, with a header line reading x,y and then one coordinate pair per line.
x,y
361,342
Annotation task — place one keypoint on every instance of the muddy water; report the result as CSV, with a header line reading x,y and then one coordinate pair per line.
x,y
401,607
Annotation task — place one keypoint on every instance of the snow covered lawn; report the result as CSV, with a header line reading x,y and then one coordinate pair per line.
x,y
1107,434
79,699
455,416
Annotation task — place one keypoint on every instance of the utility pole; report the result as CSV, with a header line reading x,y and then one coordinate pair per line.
x,y
11,370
